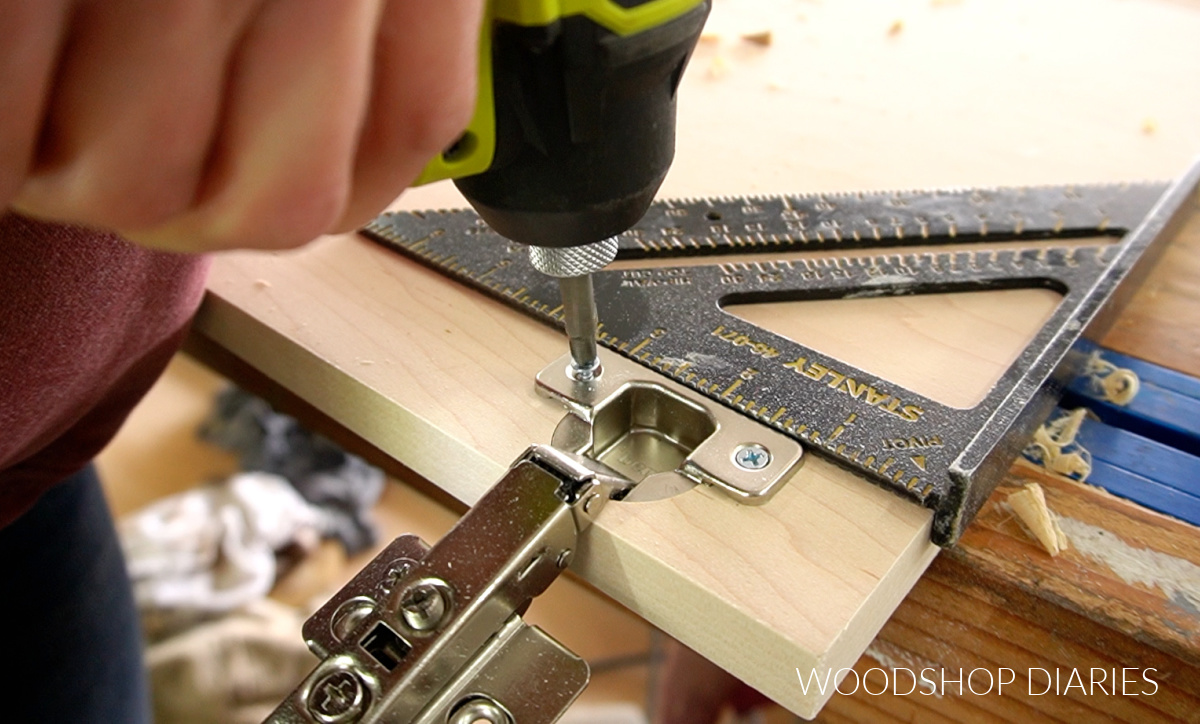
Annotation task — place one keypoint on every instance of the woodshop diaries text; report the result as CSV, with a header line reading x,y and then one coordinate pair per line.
x,y
1128,681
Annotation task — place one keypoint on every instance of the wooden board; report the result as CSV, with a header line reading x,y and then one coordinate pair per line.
x,y
847,96
451,395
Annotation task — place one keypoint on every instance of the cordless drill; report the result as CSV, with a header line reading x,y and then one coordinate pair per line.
x,y
573,132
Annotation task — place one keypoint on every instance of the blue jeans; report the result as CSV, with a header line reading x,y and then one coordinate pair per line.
x,y
71,639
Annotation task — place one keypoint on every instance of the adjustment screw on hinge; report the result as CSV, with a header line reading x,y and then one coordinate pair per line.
x,y
397,570
752,457
425,604
338,697
480,710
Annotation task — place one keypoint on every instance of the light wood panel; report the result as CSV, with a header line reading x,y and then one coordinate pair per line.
x,y
932,333
974,93
807,579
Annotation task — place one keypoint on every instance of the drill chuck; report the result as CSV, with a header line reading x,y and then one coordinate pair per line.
x,y
573,265
573,261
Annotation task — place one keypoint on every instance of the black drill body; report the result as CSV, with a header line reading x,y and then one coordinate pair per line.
x,y
585,127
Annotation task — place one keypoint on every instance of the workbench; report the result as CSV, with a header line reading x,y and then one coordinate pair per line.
x,y
840,97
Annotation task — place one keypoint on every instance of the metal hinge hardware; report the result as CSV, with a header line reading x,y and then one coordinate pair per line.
x,y
435,635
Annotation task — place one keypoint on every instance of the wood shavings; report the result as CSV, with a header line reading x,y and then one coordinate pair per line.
x,y
262,284
718,67
1149,126
944,3
1054,447
1029,503
1112,383
895,28
760,37
710,37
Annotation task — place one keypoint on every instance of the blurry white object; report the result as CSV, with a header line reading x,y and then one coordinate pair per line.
x,y
604,714
234,670
212,549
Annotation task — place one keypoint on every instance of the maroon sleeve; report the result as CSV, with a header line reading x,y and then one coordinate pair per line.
x,y
87,323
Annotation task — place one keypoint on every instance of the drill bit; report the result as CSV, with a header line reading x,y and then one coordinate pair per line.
x,y
573,266
579,317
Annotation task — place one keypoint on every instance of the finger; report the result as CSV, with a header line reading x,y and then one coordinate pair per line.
x,y
422,97
281,166
30,35
135,106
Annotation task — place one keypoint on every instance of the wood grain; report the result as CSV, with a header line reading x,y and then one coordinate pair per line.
x,y
982,92
998,600
928,328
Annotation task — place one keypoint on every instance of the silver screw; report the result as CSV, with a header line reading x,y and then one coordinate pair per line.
x,y
480,709
349,616
564,558
752,457
424,604
589,501
337,698
397,570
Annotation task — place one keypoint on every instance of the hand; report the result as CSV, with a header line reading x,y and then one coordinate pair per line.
x,y
692,690
197,125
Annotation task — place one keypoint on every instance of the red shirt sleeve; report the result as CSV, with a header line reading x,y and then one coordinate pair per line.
x,y
87,323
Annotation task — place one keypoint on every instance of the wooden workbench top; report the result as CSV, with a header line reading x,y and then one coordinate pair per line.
x,y
845,96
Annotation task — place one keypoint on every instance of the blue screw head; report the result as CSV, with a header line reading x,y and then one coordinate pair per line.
x,y
752,456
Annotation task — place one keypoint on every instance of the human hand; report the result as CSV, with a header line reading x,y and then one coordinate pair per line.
x,y
196,125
